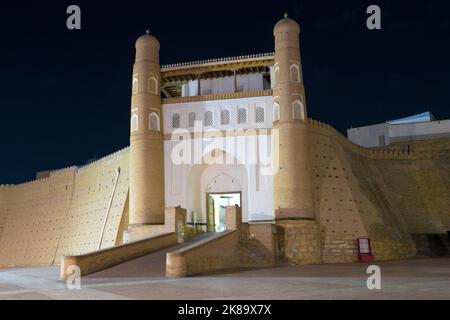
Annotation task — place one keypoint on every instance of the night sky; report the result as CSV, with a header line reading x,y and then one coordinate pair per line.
x,y
65,95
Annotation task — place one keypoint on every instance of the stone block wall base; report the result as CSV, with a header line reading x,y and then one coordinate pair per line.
x,y
301,241
339,250
139,232
390,250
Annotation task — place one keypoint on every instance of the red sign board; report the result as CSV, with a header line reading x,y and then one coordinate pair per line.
x,y
364,250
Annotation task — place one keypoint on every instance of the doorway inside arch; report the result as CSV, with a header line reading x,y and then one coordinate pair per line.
x,y
215,207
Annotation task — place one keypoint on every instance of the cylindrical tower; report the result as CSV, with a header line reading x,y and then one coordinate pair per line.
x,y
146,138
293,196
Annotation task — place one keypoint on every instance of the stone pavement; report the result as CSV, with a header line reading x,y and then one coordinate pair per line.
x,y
143,278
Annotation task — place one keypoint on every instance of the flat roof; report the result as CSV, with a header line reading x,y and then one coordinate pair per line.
x,y
421,117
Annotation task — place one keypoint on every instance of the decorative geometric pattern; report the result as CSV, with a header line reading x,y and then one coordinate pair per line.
x,y
242,116
225,117
259,115
176,121
208,118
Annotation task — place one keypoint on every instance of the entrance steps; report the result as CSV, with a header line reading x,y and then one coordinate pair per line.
x,y
151,265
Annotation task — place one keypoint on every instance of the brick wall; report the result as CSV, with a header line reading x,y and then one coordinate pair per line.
x,y
63,213
301,241
35,217
4,196
217,252
91,204
98,260
233,248
385,194
339,250
106,258
392,250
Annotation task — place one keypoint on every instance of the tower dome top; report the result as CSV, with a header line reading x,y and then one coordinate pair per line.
x,y
147,39
286,24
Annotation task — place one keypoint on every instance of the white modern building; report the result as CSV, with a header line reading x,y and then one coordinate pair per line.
x,y
422,126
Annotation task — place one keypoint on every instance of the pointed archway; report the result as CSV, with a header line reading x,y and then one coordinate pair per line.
x,y
229,177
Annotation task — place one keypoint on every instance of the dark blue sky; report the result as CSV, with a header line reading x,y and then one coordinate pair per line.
x,y
65,95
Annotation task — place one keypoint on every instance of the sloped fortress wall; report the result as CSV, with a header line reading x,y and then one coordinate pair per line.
x,y
64,213
35,216
99,193
385,195
420,188
334,201
4,196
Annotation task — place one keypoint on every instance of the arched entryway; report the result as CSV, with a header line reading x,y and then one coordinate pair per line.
x,y
221,191
224,184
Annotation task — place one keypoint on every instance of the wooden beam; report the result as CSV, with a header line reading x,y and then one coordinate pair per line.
x,y
166,92
217,67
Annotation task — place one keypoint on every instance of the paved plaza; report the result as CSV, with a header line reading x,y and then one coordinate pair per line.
x,y
143,278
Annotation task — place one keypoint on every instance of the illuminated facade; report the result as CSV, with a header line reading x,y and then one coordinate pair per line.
x,y
209,135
